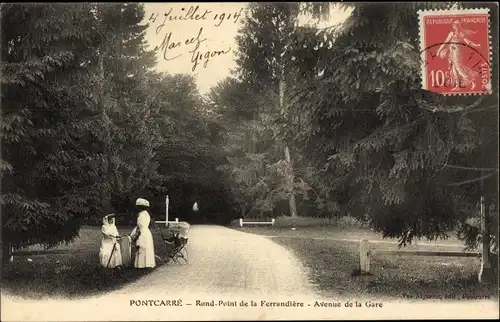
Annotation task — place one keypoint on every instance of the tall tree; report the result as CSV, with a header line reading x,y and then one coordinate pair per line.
x,y
189,155
47,119
56,140
262,62
245,142
129,133
253,151
392,149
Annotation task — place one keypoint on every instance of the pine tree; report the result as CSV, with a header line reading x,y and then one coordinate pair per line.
x,y
54,149
390,146
246,143
130,134
262,62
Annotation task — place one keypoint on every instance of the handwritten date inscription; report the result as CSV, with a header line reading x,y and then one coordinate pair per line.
x,y
171,45
194,13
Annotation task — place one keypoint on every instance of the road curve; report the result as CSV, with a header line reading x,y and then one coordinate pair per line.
x,y
230,268
223,260
224,265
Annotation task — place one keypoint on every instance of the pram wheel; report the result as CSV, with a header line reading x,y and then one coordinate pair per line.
x,y
182,256
175,247
177,254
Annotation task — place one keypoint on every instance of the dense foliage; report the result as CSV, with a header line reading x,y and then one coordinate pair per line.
x,y
401,158
88,125
47,116
365,139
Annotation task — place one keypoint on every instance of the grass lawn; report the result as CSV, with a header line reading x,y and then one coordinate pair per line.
x,y
68,270
333,263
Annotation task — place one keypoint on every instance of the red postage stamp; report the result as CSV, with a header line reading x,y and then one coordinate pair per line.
x,y
455,51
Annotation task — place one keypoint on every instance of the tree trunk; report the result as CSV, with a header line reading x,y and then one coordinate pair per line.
x,y
290,179
289,173
105,195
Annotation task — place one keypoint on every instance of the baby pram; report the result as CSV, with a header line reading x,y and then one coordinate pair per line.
x,y
175,238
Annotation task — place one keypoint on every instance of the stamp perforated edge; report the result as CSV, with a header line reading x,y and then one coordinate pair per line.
x,y
421,38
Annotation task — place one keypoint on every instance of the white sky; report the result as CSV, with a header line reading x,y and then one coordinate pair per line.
x,y
218,38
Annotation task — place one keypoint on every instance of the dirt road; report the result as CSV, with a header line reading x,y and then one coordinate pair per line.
x,y
224,265
223,260
231,275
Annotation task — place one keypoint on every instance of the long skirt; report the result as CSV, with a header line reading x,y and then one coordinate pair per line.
x,y
107,251
461,73
145,252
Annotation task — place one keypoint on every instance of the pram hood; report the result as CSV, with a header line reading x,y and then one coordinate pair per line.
x,y
180,228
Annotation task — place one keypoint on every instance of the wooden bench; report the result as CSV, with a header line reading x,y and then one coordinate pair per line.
x,y
257,222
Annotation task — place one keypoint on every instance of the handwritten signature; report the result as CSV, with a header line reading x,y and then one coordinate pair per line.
x,y
196,55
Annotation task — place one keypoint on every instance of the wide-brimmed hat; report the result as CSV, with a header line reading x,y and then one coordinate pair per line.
x,y
142,202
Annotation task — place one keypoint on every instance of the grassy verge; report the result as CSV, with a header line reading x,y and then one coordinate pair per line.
x,y
332,257
333,266
353,234
69,270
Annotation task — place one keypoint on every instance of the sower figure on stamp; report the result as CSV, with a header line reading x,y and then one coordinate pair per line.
x,y
460,74
456,51
142,238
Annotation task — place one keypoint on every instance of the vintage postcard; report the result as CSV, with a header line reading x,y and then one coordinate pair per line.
x,y
249,161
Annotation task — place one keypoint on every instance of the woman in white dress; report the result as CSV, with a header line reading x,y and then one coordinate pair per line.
x,y
109,253
145,252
